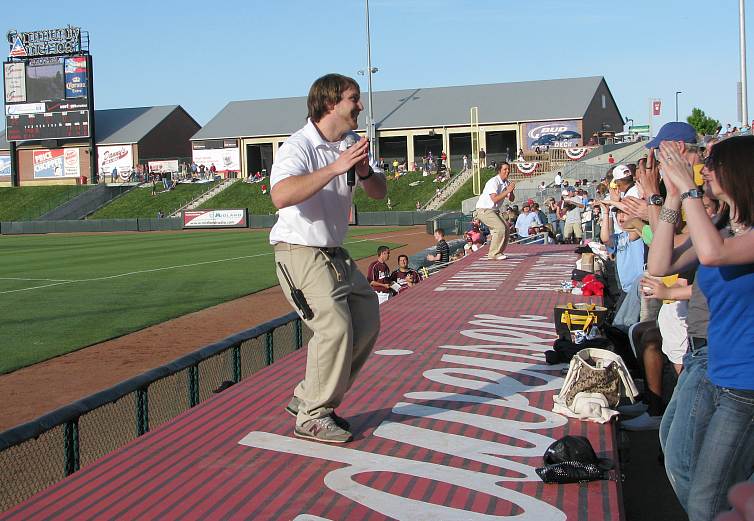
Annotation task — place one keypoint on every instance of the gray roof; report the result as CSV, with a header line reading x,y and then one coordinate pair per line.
x,y
498,103
121,126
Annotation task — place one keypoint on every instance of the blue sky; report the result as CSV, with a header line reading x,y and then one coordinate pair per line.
x,y
202,55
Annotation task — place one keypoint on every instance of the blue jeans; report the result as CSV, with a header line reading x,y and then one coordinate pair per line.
x,y
680,435
726,455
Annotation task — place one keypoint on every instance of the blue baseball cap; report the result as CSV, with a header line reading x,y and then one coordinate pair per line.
x,y
674,131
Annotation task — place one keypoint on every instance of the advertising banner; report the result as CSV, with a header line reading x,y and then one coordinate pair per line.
x,y
163,166
118,156
224,159
4,165
15,82
235,218
56,163
75,77
559,134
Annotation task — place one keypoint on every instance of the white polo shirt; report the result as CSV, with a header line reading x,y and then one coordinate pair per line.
x,y
494,186
321,220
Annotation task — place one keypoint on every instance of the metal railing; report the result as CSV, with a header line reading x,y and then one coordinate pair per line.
x,y
38,454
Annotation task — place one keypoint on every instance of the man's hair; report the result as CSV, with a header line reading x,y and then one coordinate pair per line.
x,y
326,92
402,255
440,232
500,166
731,159
381,250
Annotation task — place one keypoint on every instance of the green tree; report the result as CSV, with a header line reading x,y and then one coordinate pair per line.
x,y
703,124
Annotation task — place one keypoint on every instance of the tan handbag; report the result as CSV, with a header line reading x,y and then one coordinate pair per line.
x,y
592,388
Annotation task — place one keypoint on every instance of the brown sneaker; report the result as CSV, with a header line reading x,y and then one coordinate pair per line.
x,y
322,429
295,403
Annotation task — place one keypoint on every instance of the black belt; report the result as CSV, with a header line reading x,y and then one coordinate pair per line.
x,y
697,342
331,251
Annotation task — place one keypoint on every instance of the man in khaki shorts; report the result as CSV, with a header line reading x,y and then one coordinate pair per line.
x,y
309,186
495,191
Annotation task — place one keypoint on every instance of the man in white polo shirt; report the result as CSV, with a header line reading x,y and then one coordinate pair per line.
x,y
496,190
309,186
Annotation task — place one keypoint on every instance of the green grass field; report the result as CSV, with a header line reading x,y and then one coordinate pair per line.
x,y
401,194
243,195
140,202
29,202
61,293
466,191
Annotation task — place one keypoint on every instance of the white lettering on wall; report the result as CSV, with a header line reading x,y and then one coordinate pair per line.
x,y
548,272
482,275
496,382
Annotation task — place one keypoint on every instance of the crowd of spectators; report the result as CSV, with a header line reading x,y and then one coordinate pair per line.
x,y
675,233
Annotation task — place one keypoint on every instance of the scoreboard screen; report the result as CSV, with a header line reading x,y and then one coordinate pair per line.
x,y
47,120
46,98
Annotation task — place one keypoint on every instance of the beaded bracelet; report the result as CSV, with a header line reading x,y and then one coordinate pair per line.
x,y
669,216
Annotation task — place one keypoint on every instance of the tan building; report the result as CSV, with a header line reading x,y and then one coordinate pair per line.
x,y
562,113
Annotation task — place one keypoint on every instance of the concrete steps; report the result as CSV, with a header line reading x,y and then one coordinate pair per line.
x,y
191,205
448,190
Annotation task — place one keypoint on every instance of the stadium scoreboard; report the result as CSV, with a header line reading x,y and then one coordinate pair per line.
x,y
47,97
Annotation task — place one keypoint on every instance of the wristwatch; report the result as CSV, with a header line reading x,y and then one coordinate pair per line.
x,y
655,200
370,174
694,193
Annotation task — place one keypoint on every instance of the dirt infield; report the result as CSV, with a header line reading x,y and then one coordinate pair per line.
x,y
41,388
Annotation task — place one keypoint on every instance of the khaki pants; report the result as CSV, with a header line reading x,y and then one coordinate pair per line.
x,y
572,229
499,235
346,323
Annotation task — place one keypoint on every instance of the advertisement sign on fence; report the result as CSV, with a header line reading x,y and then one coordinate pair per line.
x,y
57,163
170,165
235,218
4,165
118,156
224,159
559,134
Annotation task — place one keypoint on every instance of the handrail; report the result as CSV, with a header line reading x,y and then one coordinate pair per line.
x,y
72,411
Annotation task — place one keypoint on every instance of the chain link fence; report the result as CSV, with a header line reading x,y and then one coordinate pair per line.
x,y
40,453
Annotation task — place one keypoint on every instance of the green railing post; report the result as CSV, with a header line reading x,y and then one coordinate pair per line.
x,y
193,388
142,411
299,328
269,356
237,364
71,447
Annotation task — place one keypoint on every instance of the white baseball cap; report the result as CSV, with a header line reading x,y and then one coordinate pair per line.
x,y
621,172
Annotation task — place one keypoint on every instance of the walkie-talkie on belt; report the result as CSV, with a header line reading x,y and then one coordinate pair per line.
x,y
297,295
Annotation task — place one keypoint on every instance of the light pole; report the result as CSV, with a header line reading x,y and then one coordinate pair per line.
x,y
370,122
676,103
742,44
370,113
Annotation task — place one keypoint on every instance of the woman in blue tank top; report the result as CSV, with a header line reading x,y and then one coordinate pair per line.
x,y
724,426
